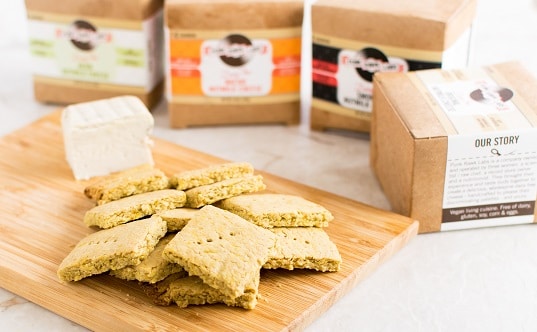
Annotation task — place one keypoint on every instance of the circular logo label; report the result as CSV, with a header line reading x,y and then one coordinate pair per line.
x,y
83,35
236,50
370,60
492,94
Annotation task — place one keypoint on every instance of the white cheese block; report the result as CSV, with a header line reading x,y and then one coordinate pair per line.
x,y
106,136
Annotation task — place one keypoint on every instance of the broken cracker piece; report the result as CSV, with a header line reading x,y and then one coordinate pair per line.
x,y
277,210
177,218
152,269
191,290
111,249
134,207
130,182
211,174
303,248
211,193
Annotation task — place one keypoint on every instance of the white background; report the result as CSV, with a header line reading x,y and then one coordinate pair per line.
x,y
472,280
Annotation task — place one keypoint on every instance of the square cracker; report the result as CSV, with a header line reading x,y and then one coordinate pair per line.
x,y
134,207
112,249
130,182
152,269
211,174
223,249
211,193
191,290
303,248
277,210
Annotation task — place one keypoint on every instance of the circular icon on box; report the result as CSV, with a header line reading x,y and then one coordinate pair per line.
x,y
371,61
83,35
491,94
236,50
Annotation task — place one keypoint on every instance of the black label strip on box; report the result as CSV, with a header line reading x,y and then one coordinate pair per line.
x,y
324,70
325,67
422,65
488,211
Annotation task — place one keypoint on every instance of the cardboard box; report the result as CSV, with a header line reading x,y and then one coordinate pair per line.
x,y
353,39
233,62
83,50
457,149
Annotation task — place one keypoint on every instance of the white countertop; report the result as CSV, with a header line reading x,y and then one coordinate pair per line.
x,y
472,280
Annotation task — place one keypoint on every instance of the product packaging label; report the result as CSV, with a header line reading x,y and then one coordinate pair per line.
x,y
97,50
342,70
223,67
491,170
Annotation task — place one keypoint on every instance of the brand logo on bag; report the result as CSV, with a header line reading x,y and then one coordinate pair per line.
x,y
235,50
84,35
370,60
492,95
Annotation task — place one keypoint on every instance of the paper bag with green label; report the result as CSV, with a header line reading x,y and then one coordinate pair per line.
x,y
84,50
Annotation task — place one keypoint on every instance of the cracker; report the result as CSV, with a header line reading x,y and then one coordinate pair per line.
x,y
112,249
223,249
130,182
152,269
159,291
303,248
134,207
211,193
177,218
191,290
211,174
277,210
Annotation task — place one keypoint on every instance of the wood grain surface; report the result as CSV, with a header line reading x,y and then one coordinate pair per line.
x,y
41,211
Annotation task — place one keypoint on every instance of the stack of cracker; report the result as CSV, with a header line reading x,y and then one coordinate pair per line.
x,y
200,236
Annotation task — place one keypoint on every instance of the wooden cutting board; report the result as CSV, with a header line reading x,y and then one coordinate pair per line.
x,y
41,210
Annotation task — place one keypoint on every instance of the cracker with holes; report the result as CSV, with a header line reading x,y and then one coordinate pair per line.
x,y
277,210
134,207
303,248
211,193
223,249
211,174
191,290
136,180
177,218
112,249
152,269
